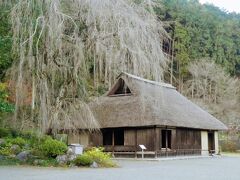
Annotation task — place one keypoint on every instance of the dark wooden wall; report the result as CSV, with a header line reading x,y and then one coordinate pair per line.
x,y
188,139
181,138
129,137
95,139
146,137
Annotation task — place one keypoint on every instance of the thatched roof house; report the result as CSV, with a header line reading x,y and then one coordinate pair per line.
x,y
139,111
135,101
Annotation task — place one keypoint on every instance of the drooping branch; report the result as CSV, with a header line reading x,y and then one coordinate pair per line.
x,y
61,44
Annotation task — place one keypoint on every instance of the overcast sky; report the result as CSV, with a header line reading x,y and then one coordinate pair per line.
x,y
229,5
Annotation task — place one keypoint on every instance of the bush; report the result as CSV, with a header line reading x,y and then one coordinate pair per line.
x,y
4,132
7,148
37,153
5,151
28,135
229,146
100,157
52,148
83,160
18,141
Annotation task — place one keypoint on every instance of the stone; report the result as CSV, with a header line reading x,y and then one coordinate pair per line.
x,y
27,146
15,149
12,156
38,162
62,159
73,166
71,157
2,141
70,151
24,156
94,165
2,157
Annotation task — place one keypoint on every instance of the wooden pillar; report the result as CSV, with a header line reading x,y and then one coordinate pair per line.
x,y
173,140
156,140
160,137
113,143
166,141
135,140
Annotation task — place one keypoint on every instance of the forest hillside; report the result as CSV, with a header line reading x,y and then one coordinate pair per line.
x,y
195,47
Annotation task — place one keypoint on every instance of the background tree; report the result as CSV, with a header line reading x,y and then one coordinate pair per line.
x,y
215,90
5,40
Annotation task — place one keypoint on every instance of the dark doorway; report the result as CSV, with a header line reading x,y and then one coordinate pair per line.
x,y
119,137
166,138
211,144
107,136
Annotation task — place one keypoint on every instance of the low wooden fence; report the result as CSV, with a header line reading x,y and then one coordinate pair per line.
x,y
131,150
178,152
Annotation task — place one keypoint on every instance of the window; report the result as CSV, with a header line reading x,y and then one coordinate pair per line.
x,y
166,138
108,136
120,89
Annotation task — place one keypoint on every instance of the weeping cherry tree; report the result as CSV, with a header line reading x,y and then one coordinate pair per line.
x,y
61,44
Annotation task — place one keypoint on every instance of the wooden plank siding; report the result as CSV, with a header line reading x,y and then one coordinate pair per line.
x,y
146,137
96,139
187,139
129,137
183,140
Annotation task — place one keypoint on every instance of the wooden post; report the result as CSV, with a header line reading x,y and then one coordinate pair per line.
x,y
160,140
166,139
113,143
156,140
135,139
173,140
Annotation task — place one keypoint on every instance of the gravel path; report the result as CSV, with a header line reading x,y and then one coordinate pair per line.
x,y
216,168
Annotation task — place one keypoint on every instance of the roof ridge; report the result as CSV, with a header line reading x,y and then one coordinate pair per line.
x,y
150,81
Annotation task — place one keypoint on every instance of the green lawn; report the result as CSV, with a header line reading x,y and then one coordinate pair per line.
x,y
231,154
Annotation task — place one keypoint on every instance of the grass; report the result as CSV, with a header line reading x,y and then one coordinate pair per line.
x,y
9,162
231,154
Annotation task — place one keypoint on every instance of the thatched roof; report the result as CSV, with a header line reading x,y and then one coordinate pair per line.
x,y
150,103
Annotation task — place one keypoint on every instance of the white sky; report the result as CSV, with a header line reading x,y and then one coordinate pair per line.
x,y
229,5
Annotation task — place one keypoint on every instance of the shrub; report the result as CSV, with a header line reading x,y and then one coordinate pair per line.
x,y
5,151
83,160
52,148
100,157
28,135
7,147
37,152
4,132
14,133
18,141
229,146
